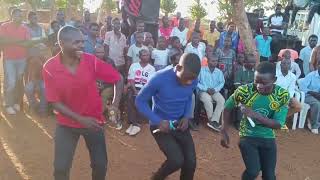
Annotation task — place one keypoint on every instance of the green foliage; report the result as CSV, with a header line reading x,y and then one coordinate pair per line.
x,y
61,4
168,6
109,5
197,11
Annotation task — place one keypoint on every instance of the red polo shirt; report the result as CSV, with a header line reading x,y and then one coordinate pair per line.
x,y
20,32
77,91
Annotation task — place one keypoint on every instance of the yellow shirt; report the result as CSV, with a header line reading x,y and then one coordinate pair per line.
x,y
211,37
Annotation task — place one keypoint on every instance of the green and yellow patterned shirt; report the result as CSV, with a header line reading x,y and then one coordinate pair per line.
x,y
273,106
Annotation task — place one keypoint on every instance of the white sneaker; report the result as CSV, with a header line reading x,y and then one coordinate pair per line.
x,y
135,130
10,111
17,107
128,131
315,131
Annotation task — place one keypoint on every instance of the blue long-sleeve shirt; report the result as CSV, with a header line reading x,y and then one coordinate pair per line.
x,y
208,79
311,82
172,101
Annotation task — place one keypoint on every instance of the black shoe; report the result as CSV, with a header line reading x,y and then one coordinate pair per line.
x,y
193,125
214,125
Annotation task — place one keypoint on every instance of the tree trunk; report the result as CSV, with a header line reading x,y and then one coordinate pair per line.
x,y
241,20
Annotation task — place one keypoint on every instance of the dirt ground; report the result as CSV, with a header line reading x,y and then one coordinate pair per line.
x,y
26,152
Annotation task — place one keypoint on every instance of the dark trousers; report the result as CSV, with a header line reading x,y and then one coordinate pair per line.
x,y
313,9
66,140
258,154
179,149
134,117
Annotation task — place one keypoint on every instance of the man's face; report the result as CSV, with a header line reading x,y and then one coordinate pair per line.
x,y
285,65
162,42
195,38
140,27
139,38
181,23
86,16
116,25
256,12
17,17
176,59
212,61
165,21
33,19
99,52
250,63
227,42
147,37
145,56
313,42
176,44
240,59
209,50
73,45
184,77
264,83
94,31
220,26
231,28
278,9
212,25
60,16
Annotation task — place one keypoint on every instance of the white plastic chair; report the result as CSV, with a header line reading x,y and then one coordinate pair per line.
x,y
300,96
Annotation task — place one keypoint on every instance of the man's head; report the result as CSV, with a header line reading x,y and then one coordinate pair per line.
x,y
181,23
188,68
55,26
86,16
165,21
209,50
231,27
99,51
139,37
197,25
285,65
227,42
212,25
175,42
116,25
249,61
265,77
33,18
212,60
240,58
313,40
60,15
71,41
256,12
178,15
108,20
175,55
266,31
162,42
140,26
16,15
148,37
144,56
220,26
261,13
287,55
278,9
94,29
195,38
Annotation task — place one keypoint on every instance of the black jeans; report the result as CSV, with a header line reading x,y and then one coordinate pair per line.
x,y
66,140
179,149
258,154
134,117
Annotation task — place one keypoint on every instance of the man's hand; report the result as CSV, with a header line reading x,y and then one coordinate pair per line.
x,y
210,91
314,94
225,141
90,122
247,111
164,126
183,124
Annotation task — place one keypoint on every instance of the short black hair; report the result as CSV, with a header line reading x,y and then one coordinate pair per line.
x,y
312,36
31,13
93,24
143,50
115,19
53,22
266,68
191,63
65,31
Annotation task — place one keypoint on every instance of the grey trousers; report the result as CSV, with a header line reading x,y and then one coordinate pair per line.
x,y
66,140
314,111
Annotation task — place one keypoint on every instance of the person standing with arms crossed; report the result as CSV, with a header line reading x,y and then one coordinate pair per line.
x,y
170,115
70,86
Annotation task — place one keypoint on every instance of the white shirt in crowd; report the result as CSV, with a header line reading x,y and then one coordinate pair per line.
x,y
140,75
305,56
160,57
200,51
133,52
277,21
295,69
182,35
287,82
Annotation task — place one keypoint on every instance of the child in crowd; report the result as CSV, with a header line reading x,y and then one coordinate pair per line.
x,y
133,52
211,81
174,57
175,43
209,52
140,29
139,74
265,105
160,55
238,64
148,41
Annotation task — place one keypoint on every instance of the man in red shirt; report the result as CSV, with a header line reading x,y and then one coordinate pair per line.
x,y
14,38
70,86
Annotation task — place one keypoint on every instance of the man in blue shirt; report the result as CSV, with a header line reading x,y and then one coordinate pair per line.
x,y
211,81
171,91
230,33
92,38
311,86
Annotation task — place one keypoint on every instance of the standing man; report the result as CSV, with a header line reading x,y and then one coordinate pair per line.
x,y
70,84
230,33
14,37
171,114
212,35
305,53
92,39
86,22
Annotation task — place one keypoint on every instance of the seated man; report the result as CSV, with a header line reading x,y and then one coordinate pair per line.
x,y
294,68
211,81
311,86
139,74
287,80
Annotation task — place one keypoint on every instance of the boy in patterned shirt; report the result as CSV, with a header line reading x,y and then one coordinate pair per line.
x,y
266,106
